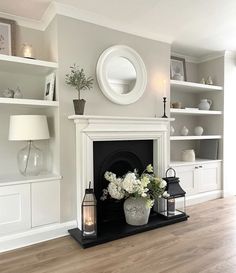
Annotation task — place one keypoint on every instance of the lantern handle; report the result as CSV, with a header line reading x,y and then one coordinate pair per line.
x,y
170,169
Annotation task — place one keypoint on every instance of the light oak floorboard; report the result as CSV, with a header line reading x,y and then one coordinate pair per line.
x,y
206,243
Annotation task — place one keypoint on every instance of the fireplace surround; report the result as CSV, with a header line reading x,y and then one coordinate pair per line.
x,y
90,130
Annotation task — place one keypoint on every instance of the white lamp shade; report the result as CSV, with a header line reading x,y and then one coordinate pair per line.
x,y
28,127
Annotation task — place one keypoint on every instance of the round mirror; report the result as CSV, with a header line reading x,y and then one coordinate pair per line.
x,y
121,74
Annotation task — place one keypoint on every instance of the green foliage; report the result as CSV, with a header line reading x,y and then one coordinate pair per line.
x,y
78,79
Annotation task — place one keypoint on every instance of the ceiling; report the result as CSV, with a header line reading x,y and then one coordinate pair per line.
x,y
195,28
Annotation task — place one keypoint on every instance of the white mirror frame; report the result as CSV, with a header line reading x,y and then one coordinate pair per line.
x,y
141,79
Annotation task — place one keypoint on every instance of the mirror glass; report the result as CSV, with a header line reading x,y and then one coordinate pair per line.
x,y
121,75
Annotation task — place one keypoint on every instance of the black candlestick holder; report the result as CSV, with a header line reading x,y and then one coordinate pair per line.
x,y
164,102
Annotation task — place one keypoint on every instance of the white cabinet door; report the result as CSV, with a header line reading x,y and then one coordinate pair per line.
x,y
45,203
14,209
186,176
208,177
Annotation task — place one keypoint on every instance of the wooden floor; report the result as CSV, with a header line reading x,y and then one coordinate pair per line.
x,y
206,243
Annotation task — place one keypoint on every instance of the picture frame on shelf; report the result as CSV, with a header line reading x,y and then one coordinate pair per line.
x,y
49,87
7,36
178,69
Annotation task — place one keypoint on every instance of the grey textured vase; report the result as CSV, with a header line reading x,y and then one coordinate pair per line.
x,y
79,106
136,211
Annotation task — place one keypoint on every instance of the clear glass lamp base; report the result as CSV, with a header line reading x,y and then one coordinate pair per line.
x,y
30,160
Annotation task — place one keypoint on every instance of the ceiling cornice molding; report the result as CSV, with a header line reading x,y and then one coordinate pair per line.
x,y
65,10
99,20
211,57
198,60
23,21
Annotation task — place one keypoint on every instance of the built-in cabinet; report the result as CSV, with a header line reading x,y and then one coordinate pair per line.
x,y
28,202
199,177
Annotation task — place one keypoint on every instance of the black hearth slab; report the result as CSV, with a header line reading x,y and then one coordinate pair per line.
x,y
113,232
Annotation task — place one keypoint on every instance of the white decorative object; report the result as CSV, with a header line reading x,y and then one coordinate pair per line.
x,y
49,87
8,93
29,128
27,51
188,155
172,130
18,94
205,104
198,131
184,131
209,80
121,74
203,81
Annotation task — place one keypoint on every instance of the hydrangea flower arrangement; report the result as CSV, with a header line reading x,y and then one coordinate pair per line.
x,y
146,185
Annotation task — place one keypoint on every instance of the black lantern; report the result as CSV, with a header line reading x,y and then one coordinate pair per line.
x,y
173,205
89,214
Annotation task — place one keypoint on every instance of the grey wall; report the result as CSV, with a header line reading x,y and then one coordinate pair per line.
x,y
82,43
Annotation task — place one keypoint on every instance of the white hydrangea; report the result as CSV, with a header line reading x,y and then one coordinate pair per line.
x,y
149,168
165,194
163,184
115,190
145,181
130,183
109,176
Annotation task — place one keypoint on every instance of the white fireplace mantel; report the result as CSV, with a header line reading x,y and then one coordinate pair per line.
x,y
109,128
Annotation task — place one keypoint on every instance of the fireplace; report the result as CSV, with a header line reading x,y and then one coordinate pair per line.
x,y
122,137
118,157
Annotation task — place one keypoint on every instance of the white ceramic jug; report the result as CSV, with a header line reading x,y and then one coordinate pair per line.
x,y
205,104
188,155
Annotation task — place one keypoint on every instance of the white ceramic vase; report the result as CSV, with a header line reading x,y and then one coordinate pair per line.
x,y
172,130
184,131
198,131
136,211
188,155
205,104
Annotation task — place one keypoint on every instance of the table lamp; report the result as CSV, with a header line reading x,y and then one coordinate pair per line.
x,y
29,128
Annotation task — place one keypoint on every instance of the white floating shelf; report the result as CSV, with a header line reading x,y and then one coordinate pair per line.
x,y
194,112
22,65
193,87
15,179
195,137
28,102
197,161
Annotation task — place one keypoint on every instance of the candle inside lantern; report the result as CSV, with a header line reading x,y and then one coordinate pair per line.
x,y
27,51
171,206
89,226
89,221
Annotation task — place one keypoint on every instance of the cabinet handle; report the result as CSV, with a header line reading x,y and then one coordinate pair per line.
x,y
200,166
196,167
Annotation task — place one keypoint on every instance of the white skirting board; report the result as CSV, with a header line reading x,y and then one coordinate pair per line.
x,y
203,197
35,235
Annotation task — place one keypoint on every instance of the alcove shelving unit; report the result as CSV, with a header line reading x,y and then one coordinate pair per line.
x,y
202,178
27,200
